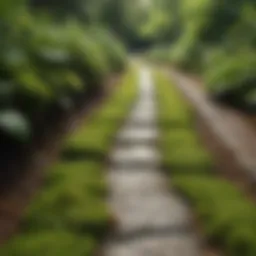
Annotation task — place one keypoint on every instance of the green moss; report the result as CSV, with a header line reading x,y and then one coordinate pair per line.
x,y
227,216
181,149
50,243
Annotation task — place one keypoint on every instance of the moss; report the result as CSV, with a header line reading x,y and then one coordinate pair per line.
x,y
50,243
228,217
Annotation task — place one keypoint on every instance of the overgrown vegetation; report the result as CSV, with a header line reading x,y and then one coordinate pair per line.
x,y
69,216
227,216
215,39
46,65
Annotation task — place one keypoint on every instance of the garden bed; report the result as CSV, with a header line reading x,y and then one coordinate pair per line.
x,y
71,206
226,214
22,174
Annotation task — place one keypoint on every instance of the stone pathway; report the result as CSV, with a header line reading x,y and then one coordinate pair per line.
x,y
152,221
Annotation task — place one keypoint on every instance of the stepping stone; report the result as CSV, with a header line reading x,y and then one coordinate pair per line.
x,y
143,116
139,155
143,119
144,108
138,135
152,220
151,246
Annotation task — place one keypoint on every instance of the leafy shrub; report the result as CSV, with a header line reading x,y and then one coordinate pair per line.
x,y
50,243
186,57
232,80
45,65
222,28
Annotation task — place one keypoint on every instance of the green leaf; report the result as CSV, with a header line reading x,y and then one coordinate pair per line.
x,y
15,124
32,83
74,80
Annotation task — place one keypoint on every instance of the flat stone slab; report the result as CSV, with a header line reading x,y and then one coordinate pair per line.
x,y
153,246
135,155
138,135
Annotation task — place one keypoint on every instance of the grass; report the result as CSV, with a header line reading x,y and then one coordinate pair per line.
x,y
70,216
227,216
181,149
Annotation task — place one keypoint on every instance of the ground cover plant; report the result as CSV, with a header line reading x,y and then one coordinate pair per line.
x,y
69,216
227,216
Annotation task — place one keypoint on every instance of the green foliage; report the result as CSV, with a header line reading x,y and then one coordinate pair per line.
x,y
50,243
228,218
113,49
187,55
222,16
229,69
215,39
178,140
70,216
232,79
45,64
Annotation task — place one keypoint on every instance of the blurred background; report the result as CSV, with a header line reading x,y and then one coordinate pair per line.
x,y
48,47
60,58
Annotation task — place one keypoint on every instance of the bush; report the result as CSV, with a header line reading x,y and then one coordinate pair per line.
x,y
46,65
232,79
